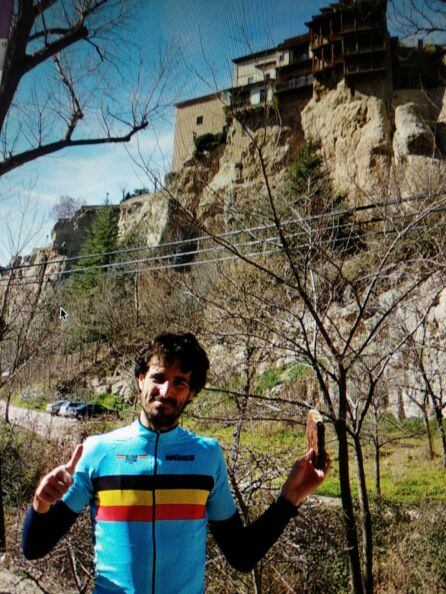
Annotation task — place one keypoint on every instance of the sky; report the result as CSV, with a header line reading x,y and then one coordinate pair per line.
x,y
204,36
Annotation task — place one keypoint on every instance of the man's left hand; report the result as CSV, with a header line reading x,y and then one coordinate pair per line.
x,y
304,478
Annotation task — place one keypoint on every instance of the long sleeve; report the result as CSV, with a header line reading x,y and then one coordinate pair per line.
x,y
41,532
243,545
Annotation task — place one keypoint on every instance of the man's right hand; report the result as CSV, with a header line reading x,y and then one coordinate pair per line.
x,y
56,483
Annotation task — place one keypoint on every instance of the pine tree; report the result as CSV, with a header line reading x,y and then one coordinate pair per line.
x,y
97,247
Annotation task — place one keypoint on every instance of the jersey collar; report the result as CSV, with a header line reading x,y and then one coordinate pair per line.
x,y
171,435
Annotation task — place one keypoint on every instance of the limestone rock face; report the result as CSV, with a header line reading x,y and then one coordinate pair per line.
x,y
145,216
36,264
235,182
354,133
68,234
413,136
375,145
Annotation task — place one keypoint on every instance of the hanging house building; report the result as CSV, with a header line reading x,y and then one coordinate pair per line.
x,y
347,40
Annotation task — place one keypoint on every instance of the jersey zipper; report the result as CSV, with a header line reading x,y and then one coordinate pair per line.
x,y
155,470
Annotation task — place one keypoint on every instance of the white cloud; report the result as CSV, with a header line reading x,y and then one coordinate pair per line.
x,y
88,173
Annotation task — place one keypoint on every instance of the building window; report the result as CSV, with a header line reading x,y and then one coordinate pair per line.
x,y
262,95
281,57
199,120
250,79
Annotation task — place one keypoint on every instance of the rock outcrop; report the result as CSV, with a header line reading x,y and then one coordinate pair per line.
x,y
376,145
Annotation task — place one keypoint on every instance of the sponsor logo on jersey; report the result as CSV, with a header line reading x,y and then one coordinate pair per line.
x,y
180,457
130,458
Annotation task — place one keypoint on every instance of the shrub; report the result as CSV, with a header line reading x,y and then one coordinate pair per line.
x,y
413,550
208,142
308,558
305,169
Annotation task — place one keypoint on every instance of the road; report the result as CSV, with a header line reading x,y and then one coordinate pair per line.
x,y
44,424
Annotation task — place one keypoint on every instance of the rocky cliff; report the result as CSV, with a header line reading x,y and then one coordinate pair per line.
x,y
372,146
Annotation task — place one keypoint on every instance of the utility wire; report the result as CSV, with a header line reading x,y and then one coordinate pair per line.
x,y
171,255
213,249
217,236
169,266
334,227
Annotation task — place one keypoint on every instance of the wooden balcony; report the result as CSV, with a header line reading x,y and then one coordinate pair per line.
x,y
365,49
353,27
299,82
355,69
296,69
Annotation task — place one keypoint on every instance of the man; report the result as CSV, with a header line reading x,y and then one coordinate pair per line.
x,y
153,487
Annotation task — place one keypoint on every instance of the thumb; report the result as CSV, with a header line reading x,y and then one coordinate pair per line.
x,y
310,455
71,466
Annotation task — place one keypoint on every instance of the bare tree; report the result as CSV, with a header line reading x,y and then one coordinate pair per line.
x,y
424,357
66,66
66,207
424,18
340,285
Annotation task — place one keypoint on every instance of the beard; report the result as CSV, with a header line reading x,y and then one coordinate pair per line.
x,y
162,414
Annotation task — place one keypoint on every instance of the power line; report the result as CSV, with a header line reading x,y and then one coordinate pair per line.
x,y
213,249
217,236
156,258
171,265
172,255
351,237
334,227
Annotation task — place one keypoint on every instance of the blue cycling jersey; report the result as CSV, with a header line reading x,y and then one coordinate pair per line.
x,y
150,497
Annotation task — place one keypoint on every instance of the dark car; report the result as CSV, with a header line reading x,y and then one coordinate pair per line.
x,y
84,410
90,410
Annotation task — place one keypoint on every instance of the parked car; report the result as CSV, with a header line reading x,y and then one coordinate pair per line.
x,y
83,410
54,407
87,411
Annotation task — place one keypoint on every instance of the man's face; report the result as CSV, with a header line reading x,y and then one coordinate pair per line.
x,y
164,391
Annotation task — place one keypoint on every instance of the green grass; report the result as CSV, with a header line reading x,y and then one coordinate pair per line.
x,y
280,375
110,401
407,475
37,401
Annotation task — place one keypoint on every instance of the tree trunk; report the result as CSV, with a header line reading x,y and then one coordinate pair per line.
x,y
2,514
136,294
429,434
377,454
7,406
347,507
257,579
377,468
439,418
366,520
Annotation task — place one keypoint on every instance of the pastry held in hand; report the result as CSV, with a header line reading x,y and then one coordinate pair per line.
x,y
316,438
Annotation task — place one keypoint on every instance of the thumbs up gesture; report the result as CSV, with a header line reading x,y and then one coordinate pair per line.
x,y
56,483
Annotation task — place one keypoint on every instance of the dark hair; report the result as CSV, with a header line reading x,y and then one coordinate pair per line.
x,y
183,348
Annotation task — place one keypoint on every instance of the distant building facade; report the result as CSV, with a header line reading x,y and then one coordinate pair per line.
x,y
254,78
347,40
194,118
350,40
